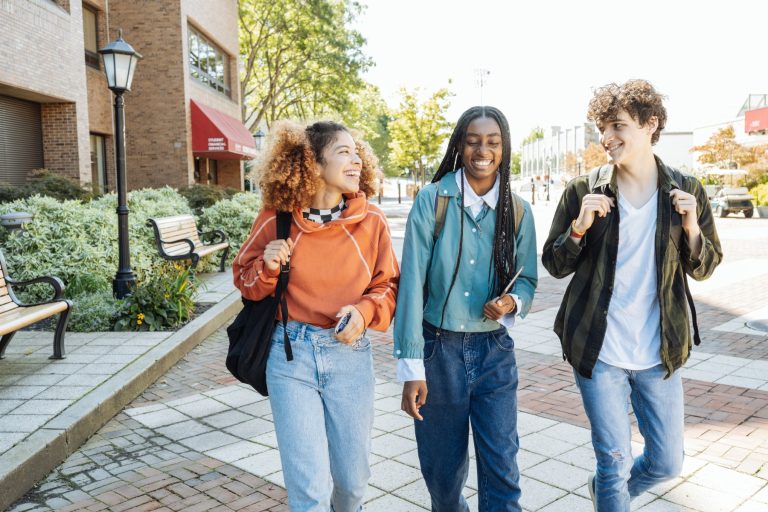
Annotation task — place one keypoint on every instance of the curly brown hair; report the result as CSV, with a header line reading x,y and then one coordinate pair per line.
x,y
637,97
287,174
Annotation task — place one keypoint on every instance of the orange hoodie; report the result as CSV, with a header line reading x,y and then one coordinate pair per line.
x,y
346,261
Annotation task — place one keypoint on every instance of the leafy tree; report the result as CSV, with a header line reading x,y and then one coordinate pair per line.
x,y
594,156
514,167
369,114
418,130
536,133
721,149
300,58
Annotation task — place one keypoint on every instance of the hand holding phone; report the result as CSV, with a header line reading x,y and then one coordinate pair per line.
x,y
351,325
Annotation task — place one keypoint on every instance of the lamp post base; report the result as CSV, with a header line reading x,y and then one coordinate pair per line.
x,y
123,284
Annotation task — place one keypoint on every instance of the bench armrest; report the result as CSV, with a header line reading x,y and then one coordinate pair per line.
x,y
55,282
218,236
187,240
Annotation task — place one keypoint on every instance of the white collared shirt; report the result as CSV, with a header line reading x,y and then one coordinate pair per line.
x,y
413,369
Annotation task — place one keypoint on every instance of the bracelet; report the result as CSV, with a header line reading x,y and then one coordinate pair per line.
x,y
575,233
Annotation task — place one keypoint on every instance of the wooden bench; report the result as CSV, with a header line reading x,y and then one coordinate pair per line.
x,y
14,315
178,238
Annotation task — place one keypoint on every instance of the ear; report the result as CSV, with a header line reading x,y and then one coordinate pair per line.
x,y
652,125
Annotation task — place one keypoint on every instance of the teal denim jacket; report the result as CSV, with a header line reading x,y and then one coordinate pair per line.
x,y
422,265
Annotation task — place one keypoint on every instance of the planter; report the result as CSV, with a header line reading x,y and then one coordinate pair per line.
x,y
762,211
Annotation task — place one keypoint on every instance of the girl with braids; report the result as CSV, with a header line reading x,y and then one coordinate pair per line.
x,y
454,354
341,267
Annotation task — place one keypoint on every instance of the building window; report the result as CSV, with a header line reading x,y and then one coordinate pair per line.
x,y
208,64
90,31
99,164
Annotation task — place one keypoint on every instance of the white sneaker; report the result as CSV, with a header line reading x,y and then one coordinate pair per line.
x,y
591,485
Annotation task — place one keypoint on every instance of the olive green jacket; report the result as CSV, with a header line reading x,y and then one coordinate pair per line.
x,y
581,321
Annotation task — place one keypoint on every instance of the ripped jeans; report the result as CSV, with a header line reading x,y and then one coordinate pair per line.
x,y
658,407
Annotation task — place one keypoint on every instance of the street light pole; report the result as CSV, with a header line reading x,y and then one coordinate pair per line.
x,y
124,280
549,175
119,65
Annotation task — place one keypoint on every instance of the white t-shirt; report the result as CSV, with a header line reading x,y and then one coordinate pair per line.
x,y
632,338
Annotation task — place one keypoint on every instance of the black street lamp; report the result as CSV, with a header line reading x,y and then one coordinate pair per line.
x,y
549,175
258,138
119,65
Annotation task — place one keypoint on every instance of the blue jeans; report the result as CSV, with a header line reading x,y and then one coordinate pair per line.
x,y
471,378
658,406
322,405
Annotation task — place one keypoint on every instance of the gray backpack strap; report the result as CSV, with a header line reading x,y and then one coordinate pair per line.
x,y
441,207
519,208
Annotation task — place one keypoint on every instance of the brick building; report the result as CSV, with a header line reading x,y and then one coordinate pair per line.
x,y
182,114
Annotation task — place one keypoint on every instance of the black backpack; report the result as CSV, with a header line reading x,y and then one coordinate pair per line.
x,y
250,334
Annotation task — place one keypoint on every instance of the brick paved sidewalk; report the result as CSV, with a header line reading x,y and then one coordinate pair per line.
x,y
198,440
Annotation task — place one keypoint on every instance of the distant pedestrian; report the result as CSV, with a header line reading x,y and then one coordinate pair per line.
x,y
467,237
630,232
342,280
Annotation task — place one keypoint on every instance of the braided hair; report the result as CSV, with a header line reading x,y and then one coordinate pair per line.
x,y
504,236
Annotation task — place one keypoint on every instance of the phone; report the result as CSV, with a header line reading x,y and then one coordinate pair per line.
x,y
343,322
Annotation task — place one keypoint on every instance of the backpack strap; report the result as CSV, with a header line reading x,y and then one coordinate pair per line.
x,y
600,224
441,207
283,232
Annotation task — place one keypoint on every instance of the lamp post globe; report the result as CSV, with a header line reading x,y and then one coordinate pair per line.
x,y
258,138
120,61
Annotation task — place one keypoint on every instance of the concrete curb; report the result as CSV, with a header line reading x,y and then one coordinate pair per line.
x,y
34,458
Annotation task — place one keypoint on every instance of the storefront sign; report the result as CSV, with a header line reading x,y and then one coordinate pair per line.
x,y
756,120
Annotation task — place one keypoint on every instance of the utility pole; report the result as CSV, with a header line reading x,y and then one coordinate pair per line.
x,y
481,78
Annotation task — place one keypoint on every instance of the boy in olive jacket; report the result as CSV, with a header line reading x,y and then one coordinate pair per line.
x,y
630,232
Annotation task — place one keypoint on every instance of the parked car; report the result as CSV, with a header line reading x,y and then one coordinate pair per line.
x,y
733,200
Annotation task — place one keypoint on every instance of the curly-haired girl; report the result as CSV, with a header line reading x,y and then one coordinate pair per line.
x,y
341,266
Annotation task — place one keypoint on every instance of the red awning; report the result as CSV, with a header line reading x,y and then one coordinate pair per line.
x,y
756,120
219,136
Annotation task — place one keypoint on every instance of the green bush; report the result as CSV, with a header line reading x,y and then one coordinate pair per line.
x,y
760,193
93,312
234,216
205,196
43,182
164,301
78,241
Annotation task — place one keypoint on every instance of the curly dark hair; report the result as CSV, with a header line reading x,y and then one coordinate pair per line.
x,y
286,172
637,97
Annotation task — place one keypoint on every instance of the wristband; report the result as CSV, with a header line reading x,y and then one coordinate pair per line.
x,y
575,233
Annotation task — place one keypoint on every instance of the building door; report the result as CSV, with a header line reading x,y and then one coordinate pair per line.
x,y
98,164
21,140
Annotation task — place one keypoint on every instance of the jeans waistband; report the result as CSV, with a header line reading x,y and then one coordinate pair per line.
x,y
460,334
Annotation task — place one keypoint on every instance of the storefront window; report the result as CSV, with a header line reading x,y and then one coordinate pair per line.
x,y
208,63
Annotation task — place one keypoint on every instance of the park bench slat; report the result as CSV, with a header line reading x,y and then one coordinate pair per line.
x,y
8,306
5,299
19,317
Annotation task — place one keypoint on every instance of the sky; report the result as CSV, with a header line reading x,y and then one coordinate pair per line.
x,y
545,57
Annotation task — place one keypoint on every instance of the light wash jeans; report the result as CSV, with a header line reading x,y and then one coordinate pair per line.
x,y
658,407
322,404
471,379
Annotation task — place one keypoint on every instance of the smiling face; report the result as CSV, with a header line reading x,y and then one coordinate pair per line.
x,y
341,165
482,153
624,140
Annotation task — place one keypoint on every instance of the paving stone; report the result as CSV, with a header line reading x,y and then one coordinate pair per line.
x,y
559,474
569,503
536,495
261,464
162,417
20,392
390,503
390,475
203,407
22,422
236,451
390,445
251,428
227,419
184,429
